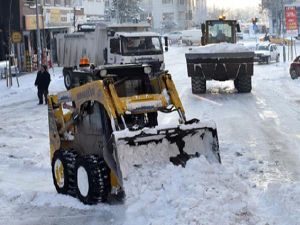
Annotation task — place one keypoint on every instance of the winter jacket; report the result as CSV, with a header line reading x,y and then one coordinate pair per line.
x,y
42,80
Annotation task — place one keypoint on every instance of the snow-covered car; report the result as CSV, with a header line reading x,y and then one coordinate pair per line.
x,y
190,37
174,36
4,69
295,68
266,52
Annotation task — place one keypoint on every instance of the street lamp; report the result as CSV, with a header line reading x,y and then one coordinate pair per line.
x,y
38,36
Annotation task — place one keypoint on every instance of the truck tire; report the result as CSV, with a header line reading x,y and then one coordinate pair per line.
x,y
268,59
63,171
198,85
92,179
243,84
68,80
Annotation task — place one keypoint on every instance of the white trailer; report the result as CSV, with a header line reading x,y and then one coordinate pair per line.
x,y
115,44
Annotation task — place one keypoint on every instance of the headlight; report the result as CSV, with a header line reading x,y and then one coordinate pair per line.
x,y
147,69
103,73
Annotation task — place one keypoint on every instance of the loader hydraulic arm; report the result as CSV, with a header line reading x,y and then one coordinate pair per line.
x,y
174,95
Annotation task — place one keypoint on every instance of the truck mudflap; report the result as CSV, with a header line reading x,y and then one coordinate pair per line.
x,y
162,145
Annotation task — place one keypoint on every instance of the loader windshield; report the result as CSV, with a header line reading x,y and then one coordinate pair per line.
x,y
141,46
219,31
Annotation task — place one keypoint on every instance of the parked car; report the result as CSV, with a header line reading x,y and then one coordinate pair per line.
x,y
266,52
295,68
174,36
190,37
4,69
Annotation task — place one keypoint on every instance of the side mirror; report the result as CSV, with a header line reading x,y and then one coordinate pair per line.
x,y
203,40
203,28
238,28
105,55
166,44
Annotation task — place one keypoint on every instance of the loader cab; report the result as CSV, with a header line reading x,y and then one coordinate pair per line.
x,y
216,31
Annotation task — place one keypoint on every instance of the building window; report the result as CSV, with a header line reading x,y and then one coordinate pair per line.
x,y
167,1
181,2
48,2
57,2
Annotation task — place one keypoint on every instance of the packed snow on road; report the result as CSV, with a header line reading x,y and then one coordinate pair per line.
x,y
257,182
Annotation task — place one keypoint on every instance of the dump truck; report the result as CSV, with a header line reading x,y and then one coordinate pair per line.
x,y
113,44
220,57
107,128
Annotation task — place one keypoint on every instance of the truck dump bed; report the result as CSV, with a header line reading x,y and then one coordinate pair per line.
x,y
221,62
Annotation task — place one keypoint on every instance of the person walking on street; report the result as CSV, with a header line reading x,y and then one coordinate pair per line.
x,y
42,82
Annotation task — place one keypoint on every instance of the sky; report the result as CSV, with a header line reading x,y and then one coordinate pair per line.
x,y
233,3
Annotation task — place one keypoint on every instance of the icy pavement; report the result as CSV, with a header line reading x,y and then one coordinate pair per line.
x,y
257,183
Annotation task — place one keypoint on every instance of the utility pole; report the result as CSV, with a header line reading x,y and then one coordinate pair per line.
x,y
9,78
38,36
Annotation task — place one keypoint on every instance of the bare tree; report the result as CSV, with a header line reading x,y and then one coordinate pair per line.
x,y
126,10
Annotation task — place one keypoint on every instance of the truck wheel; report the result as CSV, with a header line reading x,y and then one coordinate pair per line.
x,y
68,80
63,173
198,85
293,74
92,179
243,84
277,58
268,60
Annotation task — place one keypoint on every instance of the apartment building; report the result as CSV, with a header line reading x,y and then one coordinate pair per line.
x,y
169,15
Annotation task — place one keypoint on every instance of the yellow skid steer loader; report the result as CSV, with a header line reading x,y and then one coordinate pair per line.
x,y
105,128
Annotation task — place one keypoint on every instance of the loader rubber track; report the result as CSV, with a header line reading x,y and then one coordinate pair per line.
x,y
68,159
98,179
198,85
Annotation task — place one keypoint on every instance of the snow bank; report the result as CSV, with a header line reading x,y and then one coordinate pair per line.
x,y
220,48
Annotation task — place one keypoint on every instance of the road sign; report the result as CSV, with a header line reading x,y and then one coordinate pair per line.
x,y
291,20
16,37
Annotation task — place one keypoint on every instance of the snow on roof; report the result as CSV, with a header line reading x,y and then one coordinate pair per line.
x,y
137,34
220,48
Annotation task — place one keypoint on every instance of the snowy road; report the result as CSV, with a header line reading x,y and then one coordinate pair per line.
x,y
257,183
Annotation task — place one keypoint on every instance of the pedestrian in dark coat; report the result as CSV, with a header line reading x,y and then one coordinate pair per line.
x,y
42,82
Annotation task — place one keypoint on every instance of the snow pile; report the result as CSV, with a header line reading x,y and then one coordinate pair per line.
x,y
220,48
200,192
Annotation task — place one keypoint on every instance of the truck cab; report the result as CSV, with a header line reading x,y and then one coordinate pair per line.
x,y
136,48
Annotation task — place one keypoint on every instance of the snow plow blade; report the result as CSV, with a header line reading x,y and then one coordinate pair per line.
x,y
175,144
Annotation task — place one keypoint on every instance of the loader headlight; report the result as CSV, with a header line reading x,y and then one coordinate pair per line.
x,y
103,73
147,69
